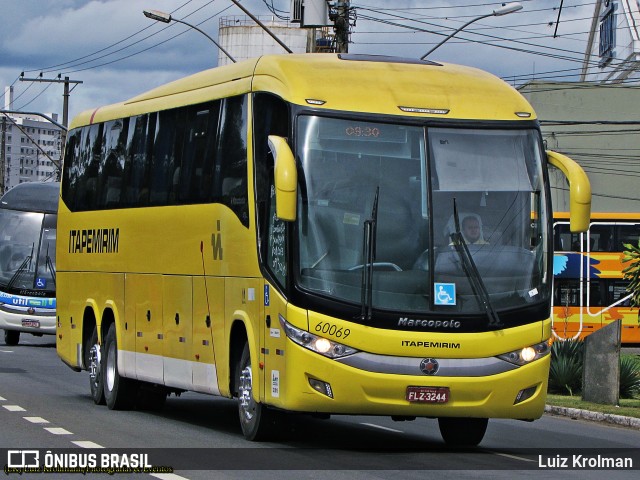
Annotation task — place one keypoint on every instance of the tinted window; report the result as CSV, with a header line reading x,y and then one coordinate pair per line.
x,y
192,154
231,158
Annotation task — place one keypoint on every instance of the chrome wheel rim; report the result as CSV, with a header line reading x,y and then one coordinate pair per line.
x,y
245,397
111,367
94,364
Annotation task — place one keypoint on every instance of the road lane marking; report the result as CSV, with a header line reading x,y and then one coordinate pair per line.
x,y
58,431
381,427
515,457
168,476
86,444
36,419
14,408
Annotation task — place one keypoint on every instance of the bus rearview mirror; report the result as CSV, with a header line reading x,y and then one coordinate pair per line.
x,y
579,190
285,177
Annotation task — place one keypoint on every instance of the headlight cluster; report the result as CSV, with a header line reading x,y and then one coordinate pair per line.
x,y
527,354
320,345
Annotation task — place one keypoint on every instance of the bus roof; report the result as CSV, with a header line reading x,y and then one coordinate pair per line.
x,y
355,83
32,197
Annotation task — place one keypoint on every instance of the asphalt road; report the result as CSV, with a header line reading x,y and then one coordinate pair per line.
x,y
45,406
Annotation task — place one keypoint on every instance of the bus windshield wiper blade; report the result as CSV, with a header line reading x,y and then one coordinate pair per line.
x,y
471,270
369,252
50,265
21,268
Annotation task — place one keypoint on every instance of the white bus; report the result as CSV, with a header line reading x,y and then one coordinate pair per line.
x,y
28,215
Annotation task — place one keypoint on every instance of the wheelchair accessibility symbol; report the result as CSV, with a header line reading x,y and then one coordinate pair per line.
x,y
41,282
445,293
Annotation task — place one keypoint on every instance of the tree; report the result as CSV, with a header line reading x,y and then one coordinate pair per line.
x,y
632,271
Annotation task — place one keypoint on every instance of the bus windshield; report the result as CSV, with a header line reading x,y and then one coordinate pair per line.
x,y
419,191
27,251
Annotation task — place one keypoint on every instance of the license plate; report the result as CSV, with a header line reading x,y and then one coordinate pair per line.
x,y
428,394
31,323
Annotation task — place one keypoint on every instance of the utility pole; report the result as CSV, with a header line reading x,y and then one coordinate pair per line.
x,y
65,96
2,153
340,18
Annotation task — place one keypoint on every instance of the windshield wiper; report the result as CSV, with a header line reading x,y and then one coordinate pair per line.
x,y
23,266
471,270
369,252
50,265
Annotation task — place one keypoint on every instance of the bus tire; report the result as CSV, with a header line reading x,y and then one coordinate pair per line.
x,y
11,337
119,392
93,362
462,432
257,421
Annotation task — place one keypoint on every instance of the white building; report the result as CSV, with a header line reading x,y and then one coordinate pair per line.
x,y
613,48
30,147
595,121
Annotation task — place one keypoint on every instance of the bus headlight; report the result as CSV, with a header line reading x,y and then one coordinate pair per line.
x,y
527,354
321,345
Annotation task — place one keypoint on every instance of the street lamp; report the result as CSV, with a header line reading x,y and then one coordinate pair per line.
x,y
504,10
167,18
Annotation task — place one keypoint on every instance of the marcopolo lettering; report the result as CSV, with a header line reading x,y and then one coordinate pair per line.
x,y
419,322
97,240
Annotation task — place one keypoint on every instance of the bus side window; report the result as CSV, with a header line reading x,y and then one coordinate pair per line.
x,y
627,234
163,157
137,192
230,185
113,161
90,155
70,179
191,176
601,238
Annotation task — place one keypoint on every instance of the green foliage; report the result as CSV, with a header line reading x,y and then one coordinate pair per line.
x,y
629,377
632,271
565,374
568,348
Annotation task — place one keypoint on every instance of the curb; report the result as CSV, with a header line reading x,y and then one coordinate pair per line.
x,y
576,413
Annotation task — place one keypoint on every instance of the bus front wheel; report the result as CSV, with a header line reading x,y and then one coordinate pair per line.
x,y
119,392
257,421
462,432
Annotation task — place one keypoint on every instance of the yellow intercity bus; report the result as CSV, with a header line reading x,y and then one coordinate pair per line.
x,y
326,234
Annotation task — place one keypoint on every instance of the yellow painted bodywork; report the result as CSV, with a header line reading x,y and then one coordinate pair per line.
x,y
167,279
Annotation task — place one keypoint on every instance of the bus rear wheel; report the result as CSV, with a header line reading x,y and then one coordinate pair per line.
x,y
258,422
93,361
119,392
11,337
462,432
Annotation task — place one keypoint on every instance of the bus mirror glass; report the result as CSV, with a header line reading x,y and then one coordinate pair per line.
x,y
579,190
286,178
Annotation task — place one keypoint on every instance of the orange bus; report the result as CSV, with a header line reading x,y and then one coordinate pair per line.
x,y
589,289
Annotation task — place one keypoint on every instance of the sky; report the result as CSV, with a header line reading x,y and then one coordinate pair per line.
x,y
117,53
